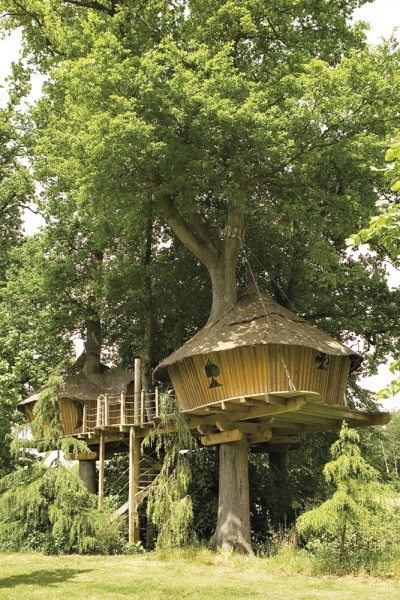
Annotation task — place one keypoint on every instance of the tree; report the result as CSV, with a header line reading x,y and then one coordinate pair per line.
x,y
358,510
383,235
223,115
48,509
16,193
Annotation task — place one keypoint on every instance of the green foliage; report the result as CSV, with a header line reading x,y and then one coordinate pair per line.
x,y
47,422
384,233
203,490
201,109
16,193
48,509
168,505
133,548
354,526
384,228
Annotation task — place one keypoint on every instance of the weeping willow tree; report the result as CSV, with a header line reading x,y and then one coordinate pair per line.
x,y
49,509
169,507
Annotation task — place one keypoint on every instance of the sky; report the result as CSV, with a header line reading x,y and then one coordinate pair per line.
x,y
383,16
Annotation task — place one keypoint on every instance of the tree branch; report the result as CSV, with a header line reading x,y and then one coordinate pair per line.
x,y
191,237
94,5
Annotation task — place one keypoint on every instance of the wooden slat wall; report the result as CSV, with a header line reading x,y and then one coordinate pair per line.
x,y
257,370
69,416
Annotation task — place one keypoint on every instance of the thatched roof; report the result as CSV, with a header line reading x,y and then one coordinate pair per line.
x,y
81,386
256,319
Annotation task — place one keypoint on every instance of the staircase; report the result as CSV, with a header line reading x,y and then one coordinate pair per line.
x,y
150,467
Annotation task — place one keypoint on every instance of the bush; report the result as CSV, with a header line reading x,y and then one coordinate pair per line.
x,y
49,509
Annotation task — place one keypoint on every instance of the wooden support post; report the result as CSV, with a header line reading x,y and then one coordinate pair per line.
x,y
102,453
137,390
134,471
98,415
157,401
106,410
123,413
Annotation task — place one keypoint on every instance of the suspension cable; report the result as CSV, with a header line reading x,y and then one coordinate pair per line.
x,y
292,387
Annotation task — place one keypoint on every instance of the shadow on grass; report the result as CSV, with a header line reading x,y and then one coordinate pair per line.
x,y
41,578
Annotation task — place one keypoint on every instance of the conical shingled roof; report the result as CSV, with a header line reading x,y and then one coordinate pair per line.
x,y
82,387
256,319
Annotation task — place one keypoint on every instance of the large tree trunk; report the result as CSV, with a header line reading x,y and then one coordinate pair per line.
x,y
87,472
233,522
92,347
148,316
223,280
220,257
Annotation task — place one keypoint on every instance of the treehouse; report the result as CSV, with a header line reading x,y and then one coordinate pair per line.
x,y
90,400
111,412
263,371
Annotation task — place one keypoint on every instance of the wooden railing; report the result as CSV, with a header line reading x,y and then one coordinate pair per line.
x,y
119,411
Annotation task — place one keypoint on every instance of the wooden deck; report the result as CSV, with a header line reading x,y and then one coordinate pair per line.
x,y
276,419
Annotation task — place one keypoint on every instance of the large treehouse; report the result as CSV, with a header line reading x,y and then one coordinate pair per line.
x,y
263,371
260,371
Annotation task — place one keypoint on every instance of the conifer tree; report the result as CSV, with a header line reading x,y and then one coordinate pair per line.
x,y
358,508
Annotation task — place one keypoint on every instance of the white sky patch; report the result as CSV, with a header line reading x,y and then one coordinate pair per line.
x,y
374,383
383,16
32,222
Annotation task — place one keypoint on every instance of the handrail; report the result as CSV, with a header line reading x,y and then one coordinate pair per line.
x,y
121,410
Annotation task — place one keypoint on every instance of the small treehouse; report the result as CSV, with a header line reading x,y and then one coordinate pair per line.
x,y
109,410
263,371
90,402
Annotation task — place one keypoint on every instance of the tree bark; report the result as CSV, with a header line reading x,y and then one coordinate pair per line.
x,y
233,523
223,281
148,316
87,472
92,347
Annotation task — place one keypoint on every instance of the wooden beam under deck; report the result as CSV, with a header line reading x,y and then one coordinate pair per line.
x,y
255,412
273,439
233,435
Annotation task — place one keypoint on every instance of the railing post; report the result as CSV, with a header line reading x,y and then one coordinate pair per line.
x,y
123,415
84,419
142,408
106,410
138,389
156,399
102,452
98,415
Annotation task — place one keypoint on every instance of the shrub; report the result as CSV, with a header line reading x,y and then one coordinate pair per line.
x,y
49,509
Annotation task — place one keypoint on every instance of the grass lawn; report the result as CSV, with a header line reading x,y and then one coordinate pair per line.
x,y
147,577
